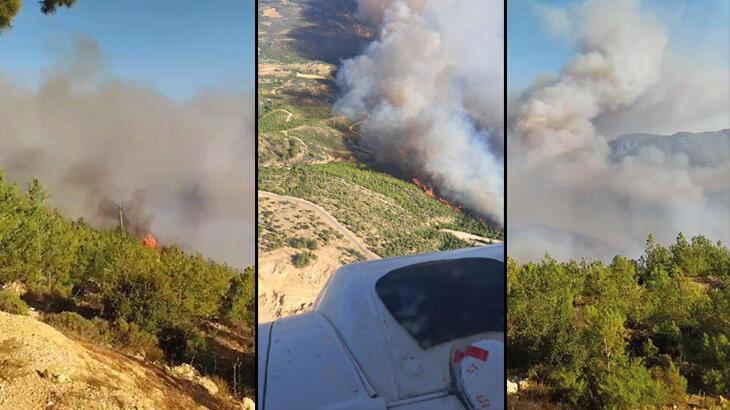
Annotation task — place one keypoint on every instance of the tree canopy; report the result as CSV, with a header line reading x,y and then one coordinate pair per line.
x,y
630,334
10,8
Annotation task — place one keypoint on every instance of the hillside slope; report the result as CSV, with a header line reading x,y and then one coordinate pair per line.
x,y
309,152
42,368
290,227
121,290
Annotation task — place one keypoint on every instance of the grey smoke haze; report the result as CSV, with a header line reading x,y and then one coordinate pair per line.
x,y
430,93
183,171
566,195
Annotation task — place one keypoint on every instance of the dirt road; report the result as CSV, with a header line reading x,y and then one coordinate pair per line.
x,y
289,115
476,240
356,242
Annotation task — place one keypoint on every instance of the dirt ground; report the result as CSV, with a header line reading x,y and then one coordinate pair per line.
x,y
41,368
285,289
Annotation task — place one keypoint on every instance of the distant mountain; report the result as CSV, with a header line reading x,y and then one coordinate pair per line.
x,y
707,149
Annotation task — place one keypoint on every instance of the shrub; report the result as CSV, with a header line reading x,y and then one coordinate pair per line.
x,y
297,243
131,339
182,343
95,330
10,302
312,244
49,300
126,337
716,354
570,387
675,385
302,259
630,386
224,389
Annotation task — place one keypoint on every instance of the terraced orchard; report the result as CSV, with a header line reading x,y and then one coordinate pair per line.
x,y
287,135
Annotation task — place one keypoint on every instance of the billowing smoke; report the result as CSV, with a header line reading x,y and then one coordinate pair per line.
x,y
429,93
569,193
182,171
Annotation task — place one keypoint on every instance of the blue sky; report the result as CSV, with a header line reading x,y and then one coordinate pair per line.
x,y
178,50
696,28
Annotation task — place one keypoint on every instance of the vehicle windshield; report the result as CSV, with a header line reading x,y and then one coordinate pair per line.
x,y
440,301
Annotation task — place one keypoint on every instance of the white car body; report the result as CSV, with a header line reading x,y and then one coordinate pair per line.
x,y
351,352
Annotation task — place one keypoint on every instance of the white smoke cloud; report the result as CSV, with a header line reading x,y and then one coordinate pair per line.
x,y
566,196
690,97
184,171
430,92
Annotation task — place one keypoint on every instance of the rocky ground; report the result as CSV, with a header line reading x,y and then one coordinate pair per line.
x,y
285,289
41,368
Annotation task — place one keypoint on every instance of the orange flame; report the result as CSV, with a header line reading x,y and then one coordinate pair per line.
x,y
150,241
430,193
423,186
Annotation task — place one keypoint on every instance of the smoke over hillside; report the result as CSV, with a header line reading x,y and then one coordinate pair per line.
x,y
430,93
564,184
183,171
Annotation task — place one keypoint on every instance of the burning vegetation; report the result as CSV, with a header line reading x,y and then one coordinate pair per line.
x,y
429,192
150,241
481,220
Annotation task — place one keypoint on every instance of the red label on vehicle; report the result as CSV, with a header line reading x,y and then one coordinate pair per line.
x,y
473,351
477,353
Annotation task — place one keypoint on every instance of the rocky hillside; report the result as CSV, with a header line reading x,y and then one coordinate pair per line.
x,y
40,367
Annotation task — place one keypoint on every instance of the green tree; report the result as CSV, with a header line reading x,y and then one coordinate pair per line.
x,y
134,289
240,301
9,10
633,334
50,6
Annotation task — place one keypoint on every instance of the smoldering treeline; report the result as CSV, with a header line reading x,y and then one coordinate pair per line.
x,y
430,93
182,171
567,196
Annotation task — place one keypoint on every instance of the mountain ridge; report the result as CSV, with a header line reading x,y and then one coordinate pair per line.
x,y
707,149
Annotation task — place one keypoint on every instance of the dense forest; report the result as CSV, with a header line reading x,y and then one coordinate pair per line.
x,y
108,286
630,334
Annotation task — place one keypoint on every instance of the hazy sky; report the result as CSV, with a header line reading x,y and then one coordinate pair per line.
x,y
178,50
697,28
119,88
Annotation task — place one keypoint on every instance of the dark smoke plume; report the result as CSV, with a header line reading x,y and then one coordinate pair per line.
x,y
181,171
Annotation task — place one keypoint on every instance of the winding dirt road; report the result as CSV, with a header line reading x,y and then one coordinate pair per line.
x,y
356,242
289,115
